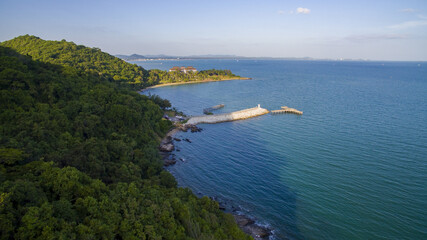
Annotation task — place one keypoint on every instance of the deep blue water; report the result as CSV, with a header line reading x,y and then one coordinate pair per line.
x,y
354,166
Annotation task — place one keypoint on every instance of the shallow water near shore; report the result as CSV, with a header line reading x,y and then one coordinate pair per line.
x,y
353,166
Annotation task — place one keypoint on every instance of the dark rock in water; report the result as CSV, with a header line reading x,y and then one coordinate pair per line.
x,y
167,139
168,147
194,128
177,139
242,220
184,128
178,150
257,232
187,140
246,223
249,226
169,162
234,209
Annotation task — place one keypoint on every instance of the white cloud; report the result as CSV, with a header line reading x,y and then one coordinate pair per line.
x,y
409,24
408,10
371,37
280,12
303,10
422,21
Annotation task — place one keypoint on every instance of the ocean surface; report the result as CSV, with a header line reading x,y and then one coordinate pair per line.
x,y
354,166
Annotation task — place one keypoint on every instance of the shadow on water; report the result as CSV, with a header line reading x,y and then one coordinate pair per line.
x,y
232,163
285,199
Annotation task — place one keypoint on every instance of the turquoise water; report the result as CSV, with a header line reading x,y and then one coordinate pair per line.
x,y
354,166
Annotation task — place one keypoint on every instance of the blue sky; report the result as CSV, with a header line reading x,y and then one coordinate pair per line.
x,y
375,30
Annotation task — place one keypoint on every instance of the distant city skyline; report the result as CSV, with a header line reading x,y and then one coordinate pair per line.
x,y
331,29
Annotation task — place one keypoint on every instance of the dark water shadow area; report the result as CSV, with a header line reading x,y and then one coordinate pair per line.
x,y
230,163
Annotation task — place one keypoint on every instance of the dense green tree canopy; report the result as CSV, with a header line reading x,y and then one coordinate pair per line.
x,y
92,61
88,60
79,159
159,77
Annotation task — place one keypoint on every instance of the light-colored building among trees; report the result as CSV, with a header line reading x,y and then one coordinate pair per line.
x,y
183,69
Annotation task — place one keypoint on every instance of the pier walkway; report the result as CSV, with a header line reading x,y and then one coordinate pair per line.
x,y
225,117
209,110
286,109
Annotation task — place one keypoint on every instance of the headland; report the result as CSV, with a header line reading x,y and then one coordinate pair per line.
x,y
195,82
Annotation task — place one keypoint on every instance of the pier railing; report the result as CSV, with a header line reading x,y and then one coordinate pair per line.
x,y
286,109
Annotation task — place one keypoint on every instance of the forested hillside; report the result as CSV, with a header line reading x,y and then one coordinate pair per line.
x,y
78,154
92,61
87,60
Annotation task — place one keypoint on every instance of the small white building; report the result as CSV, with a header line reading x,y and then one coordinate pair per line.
x,y
183,69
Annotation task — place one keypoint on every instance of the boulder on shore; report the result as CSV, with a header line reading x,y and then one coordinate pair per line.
x,y
257,232
167,139
168,147
243,220
193,128
169,162
249,226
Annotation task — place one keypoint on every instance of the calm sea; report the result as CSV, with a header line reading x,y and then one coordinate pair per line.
x,y
354,166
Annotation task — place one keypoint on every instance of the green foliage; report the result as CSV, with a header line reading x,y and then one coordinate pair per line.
x,y
94,62
90,61
163,103
158,76
75,120
79,159
10,156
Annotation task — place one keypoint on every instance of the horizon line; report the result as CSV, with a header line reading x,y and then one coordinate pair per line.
x,y
235,57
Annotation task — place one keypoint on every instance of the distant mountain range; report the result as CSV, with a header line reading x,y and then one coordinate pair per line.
x,y
137,57
131,57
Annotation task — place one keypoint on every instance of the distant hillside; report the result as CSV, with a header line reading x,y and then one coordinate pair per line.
x,y
135,57
88,60
132,57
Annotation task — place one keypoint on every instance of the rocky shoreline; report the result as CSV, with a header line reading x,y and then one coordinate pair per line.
x,y
166,145
246,223
250,227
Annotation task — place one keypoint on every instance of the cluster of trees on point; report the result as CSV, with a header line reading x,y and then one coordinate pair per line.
x,y
79,159
157,76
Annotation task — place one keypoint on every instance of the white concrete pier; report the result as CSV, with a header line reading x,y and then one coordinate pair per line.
x,y
225,117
